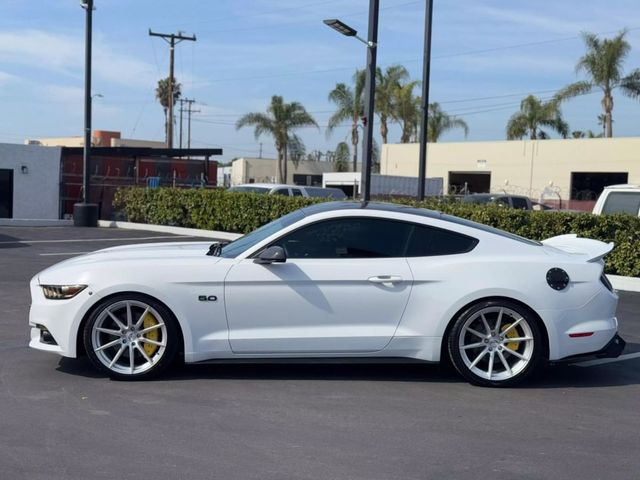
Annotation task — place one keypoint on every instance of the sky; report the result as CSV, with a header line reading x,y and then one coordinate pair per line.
x,y
486,56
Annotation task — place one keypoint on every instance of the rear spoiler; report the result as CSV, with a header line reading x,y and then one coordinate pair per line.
x,y
570,243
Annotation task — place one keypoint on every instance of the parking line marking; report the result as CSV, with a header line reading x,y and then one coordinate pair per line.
x,y
97,239
602,361
63,253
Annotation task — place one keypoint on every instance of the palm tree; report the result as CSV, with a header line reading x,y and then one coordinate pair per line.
x,y
387,84
350,107
407,110
588,134
279,121
602,63
163,95
439,122
341,157
533,114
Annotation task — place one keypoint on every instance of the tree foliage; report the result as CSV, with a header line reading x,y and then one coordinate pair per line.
x,y
603,66
533,115
279,122
349,103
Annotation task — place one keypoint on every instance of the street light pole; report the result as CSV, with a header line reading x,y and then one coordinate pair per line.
x,y
369,100
85,214
424,107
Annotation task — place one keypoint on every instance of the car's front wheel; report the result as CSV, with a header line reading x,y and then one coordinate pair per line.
x,y
496,343
131,336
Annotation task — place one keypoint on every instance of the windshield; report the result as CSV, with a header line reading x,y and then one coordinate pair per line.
x,y
250,189
240,245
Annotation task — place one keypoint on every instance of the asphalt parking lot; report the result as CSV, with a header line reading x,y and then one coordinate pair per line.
x,y
61,420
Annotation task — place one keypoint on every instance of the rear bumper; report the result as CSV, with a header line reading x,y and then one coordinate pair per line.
x,y
613,349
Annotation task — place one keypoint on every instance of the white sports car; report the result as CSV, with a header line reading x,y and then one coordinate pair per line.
x,y
333,281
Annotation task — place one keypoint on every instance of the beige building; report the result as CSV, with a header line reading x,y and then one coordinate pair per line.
x,y
571,169
263,170
99,138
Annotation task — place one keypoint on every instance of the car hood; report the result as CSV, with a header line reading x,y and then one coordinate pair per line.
x,y
152,252
593,250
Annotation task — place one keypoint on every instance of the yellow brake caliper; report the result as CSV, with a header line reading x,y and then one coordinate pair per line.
x,y
150,321
511,334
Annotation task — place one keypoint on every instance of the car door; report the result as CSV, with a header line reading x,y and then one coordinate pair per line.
x,y
342,289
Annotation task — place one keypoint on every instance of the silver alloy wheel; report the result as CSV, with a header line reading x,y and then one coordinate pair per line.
x,y
496,343
119,337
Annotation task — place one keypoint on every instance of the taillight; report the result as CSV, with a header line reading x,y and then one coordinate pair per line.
x,y
605,281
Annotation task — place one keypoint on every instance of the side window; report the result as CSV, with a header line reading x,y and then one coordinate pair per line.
x,y
520,203
296,192
282,191
428,241
622,202
503,201
348,238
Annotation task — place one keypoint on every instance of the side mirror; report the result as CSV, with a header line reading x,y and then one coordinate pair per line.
x,y
271,255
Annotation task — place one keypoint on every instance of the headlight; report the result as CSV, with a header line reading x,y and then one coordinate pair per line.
x,y
61,292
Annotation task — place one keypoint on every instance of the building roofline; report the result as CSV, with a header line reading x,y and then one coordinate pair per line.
x,y
145,151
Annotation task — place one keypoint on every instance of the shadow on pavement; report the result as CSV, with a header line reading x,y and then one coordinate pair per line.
x,y
7,241
556,376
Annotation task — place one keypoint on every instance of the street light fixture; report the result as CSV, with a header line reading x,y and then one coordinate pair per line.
x,y
345,30
370,87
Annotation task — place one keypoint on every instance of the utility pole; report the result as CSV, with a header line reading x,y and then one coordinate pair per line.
x,y
424,117
172,39
189,103
181,110
260,155
370,88
85,214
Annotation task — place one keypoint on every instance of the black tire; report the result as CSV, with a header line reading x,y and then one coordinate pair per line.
x,y
496,363
149,360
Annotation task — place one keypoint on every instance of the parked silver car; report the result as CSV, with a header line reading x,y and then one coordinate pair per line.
x,y
290,190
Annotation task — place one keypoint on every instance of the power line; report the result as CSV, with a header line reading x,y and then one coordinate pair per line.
x,y
409,60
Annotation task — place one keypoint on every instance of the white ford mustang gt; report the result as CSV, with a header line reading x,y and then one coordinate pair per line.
x,y
335,281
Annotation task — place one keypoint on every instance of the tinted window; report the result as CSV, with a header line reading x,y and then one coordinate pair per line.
x,y
296,192
282,191
348,238
487,228
520,203
622,202
326,193
428,241
238,246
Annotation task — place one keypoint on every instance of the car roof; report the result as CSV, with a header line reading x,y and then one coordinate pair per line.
x,y
262,185
625,186
381,206
422,212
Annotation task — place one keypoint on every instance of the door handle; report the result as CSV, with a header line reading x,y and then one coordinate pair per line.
x,y
386,280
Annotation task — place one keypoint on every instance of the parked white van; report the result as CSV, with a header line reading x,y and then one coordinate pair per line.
x,y
619,199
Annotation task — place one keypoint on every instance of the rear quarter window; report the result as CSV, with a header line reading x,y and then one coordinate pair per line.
x,y
429,241
622,202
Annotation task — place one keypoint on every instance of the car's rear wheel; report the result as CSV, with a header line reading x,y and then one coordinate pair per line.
x,y
131,336
496,343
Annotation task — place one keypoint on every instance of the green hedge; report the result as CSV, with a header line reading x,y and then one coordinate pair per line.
x,y
243,212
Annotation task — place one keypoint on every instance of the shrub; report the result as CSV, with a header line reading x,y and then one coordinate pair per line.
x,y
244,212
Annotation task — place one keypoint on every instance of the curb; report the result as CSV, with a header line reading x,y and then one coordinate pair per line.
x,y
27,222
627,284
191,232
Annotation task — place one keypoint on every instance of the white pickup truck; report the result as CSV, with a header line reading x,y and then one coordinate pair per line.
x,y
619,199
